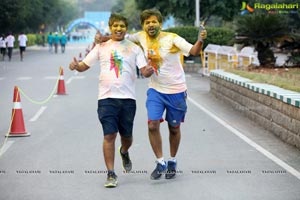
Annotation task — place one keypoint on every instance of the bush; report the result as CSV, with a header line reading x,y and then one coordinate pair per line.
x,y
31,39
220,36
40,39
215,35
190,33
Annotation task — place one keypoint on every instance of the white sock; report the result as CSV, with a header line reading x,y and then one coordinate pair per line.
x,y
161,160
173,159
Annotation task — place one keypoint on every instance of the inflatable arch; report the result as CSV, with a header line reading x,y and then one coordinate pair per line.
x,y
82,21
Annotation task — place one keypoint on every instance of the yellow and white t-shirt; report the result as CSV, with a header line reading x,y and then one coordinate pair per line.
x,y
118,61
164,53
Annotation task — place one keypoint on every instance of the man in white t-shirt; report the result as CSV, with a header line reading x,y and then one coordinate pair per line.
x,y
10,40
118,59
2,46
22,38
167,87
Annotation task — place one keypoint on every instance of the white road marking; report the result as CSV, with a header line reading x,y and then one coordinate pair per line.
x,y
51,77
24,78
263,151
5,147
69,80
38,114
74,77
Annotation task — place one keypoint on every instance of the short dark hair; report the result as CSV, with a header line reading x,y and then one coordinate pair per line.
x,y
150,12
117,17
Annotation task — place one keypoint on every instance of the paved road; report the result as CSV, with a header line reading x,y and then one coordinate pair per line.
x,y
223,156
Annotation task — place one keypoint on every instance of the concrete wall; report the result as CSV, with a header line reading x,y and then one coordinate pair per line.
x,y
275,115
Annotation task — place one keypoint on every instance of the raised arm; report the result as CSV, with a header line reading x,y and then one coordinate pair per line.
x,y
195,50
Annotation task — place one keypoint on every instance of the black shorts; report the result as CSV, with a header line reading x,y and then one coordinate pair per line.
x,y
22,49
117,115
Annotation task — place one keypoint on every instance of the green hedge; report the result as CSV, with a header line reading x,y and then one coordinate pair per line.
x,y
33,39
215,35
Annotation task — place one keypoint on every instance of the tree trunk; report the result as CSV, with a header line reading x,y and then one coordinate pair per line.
x,y
265,55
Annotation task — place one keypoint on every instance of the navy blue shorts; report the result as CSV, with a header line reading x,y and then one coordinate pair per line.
x,y
117,115
174,104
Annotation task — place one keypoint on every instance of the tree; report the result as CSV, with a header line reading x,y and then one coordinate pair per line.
x,y
130,11
262,31
29,15
184,10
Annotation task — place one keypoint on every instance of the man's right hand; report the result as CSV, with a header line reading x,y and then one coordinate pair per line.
x,y
74,64
147,71
101,38
202,34
97,38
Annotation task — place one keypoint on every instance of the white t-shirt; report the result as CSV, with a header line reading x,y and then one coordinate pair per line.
x,y
169,77
118,61
2,42
22,40
10,41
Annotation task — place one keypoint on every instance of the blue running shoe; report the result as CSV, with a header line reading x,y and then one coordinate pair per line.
x,y
158,171
171,171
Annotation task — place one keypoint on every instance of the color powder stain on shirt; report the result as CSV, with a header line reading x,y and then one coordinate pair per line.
x,y
116,63
154,45
153,54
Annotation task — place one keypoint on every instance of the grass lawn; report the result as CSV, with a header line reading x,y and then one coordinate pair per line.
x,y
287,78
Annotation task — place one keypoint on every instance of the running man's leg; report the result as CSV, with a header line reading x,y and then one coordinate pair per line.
x,y
174,139
109,150
155,109
155,137
123,150
9,52
126,118
126,143
109,158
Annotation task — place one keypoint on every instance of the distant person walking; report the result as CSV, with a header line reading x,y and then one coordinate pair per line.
x,y
2,46
22,38
63,42
10,40
56,42
50,41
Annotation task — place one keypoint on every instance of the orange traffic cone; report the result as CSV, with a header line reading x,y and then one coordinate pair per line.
x,y
61,89
17,128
